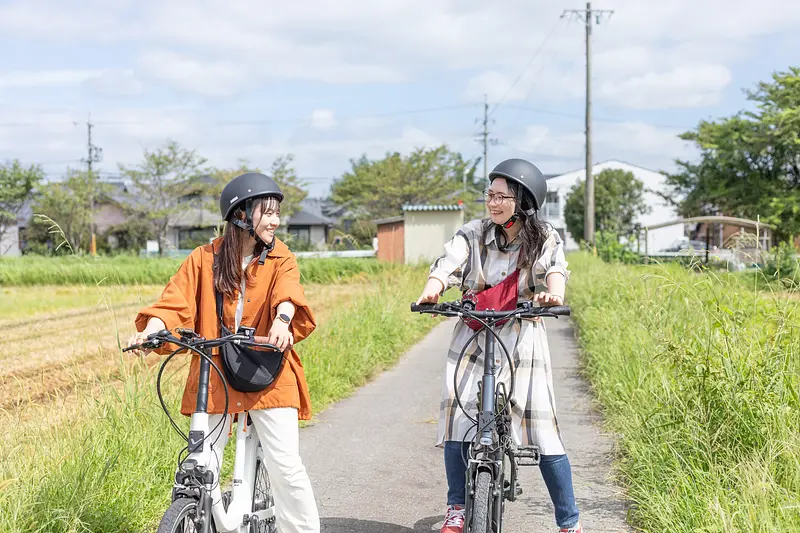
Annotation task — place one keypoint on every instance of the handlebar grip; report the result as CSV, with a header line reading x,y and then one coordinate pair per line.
x,y
560,310
416,308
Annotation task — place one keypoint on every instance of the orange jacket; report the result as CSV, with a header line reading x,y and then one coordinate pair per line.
x,y
188,301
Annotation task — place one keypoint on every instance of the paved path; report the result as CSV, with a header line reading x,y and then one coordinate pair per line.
x,y
375,469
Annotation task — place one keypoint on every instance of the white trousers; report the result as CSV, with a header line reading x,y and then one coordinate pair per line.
x,y
295,507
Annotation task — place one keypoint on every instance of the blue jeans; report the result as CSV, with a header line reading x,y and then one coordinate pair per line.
x,y
555,470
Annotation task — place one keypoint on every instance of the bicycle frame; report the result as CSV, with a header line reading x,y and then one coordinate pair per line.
x,y
238,515
196,469
492,443
487,452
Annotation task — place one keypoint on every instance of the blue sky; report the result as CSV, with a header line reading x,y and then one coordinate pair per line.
x,y
330,81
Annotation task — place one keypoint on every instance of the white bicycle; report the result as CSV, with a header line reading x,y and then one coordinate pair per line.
x,y
249,506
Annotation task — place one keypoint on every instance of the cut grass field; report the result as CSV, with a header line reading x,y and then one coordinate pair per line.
x,y
47,354
110,467
699,377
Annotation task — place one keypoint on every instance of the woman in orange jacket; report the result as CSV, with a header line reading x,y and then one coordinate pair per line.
x,y
260,282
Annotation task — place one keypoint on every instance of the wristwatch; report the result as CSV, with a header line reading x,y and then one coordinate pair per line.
x,y
284,318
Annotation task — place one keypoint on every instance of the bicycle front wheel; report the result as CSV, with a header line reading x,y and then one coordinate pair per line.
x,y
178,517
482,504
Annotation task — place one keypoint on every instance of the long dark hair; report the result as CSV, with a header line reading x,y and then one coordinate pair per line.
x,y
228,271
532,233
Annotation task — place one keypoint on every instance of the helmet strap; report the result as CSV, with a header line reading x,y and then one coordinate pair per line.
x,y
265,249
510,221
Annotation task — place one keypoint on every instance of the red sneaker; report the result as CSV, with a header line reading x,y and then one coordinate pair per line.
x,y
574,529
453,520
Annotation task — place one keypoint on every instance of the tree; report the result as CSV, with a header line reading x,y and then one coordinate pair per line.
x,y
619,200
377,189
749,163
280,170
17,185
167,174
67,204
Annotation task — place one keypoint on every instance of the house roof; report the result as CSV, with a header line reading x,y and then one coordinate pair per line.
x,y
600,163
312,212
304,218
425,207
388,220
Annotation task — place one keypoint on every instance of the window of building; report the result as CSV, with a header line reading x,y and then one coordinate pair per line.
x,y
301,233
191,238
551,206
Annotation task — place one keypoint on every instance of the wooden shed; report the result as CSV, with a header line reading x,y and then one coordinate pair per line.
x,y
391,236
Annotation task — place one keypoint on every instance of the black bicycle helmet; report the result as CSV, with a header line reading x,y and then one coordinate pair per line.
x,y
526,174
244,189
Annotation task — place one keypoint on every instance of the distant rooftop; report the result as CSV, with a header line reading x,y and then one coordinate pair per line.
x,y
425,207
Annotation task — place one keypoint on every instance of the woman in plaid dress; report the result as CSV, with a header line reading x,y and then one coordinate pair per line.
x,y
481,255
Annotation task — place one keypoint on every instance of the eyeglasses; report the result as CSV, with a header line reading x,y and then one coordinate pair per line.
x,y
490,197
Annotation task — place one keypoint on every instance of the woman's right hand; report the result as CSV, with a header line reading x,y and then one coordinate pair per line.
x,y
153,325
430,293
138,338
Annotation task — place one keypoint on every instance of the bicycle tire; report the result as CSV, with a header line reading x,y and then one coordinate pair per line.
x,y
258,505
175,515
482,504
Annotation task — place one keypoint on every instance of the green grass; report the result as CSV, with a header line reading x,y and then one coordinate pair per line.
x,y
699,376
128,270
112,469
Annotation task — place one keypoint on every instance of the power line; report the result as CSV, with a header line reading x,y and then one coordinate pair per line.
x,y
594,118
232,122
586,16
525,69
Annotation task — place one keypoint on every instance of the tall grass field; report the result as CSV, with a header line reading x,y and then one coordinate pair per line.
x,y
699,377
129,270
112,471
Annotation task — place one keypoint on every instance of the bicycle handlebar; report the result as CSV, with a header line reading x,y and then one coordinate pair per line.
x,y
524,310
192,339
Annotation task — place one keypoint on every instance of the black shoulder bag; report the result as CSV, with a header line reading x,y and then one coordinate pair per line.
x,y
247,369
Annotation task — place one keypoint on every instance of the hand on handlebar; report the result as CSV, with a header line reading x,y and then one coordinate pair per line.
x,y
136,339
545,299
430,293
279,335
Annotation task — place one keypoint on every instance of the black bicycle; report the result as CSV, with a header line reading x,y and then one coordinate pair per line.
x,y
493,457
249,507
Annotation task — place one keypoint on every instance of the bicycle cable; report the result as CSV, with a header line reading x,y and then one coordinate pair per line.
x,y
185,346
505,351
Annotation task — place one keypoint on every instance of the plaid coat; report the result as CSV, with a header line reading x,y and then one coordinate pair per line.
x,y
473,262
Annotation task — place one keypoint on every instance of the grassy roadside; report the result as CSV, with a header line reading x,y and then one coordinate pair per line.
x,y
112,471
128,270
700,379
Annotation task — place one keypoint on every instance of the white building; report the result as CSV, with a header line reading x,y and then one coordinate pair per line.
x,y
559,186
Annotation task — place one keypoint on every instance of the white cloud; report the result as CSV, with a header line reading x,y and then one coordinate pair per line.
x,y
210,78
350,41
649,145
689,86
115,83
323,119
46,78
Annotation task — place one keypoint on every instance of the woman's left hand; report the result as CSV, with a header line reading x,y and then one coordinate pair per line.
x,y
546,299
280,336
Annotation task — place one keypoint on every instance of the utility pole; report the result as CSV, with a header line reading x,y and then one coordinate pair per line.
x,y
586,17
483,138
94,155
